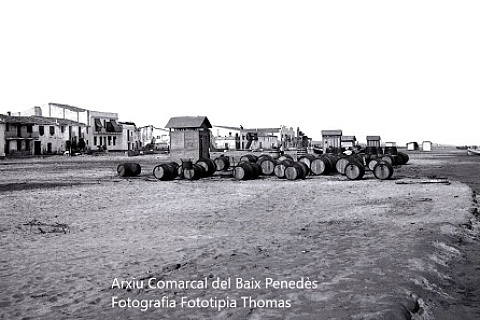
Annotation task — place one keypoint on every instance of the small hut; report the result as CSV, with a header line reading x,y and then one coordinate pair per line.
x,y
373,141
189,137
373,145
332,140
348,142
412,146
427,146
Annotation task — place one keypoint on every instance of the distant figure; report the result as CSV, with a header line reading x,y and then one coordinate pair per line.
x,y
281,150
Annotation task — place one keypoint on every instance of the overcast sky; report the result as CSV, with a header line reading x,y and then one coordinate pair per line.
x,y
404,70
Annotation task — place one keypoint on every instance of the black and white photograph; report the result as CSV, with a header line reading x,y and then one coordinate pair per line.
x,y
242,160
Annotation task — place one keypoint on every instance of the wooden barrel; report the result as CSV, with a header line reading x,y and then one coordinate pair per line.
x,y
209,166
383,170
373,162
246,171
354,171
248,158
222,163
342,164
307,159
285,157
322,165
357,158
275,154
393,159
196,172
296,170
404,156
267,166
390,150
262,157
166,171
129,169
279,169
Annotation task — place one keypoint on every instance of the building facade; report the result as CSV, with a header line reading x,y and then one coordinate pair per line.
x,y
152,138
35,135
100,130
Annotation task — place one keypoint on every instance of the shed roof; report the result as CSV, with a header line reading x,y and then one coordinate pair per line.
x,y
331,132
348,138
189,122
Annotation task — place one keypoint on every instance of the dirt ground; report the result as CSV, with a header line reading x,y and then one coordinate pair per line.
x,y
78,242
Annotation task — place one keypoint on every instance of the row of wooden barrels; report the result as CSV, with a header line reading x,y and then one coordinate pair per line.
x,y
251,166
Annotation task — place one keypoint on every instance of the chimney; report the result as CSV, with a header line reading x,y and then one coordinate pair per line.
x,y
9,113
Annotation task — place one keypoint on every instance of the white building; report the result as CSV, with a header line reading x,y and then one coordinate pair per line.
x,y
153,138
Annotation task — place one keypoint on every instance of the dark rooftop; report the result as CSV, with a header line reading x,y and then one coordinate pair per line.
x,y
188,122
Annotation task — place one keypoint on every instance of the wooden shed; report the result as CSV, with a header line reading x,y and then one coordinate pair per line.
x,y
332,140
373,141
411,146
189,138
348,142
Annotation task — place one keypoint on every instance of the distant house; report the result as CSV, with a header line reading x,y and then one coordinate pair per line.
x,y
332,140
260,138
412,146
226,137
153,138
36,135
427,146
189,137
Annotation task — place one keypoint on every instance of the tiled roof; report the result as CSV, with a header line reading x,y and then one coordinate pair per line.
x,y
373,138
331,132
37,120
348,138
188,122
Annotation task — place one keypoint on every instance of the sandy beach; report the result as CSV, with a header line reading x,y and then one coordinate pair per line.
x,y
79,242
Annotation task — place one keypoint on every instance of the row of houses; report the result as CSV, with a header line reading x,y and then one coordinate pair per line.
x,y
57,128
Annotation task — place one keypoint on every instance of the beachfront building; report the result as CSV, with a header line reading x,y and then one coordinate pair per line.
x,y
332,140
152,138
412,146
268,138
427,146
102,131
226,137
35,135
189,137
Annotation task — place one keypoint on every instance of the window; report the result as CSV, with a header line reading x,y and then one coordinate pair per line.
x,y
94,141
114,139
52,130
109,140
29,128
41,130
62,129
